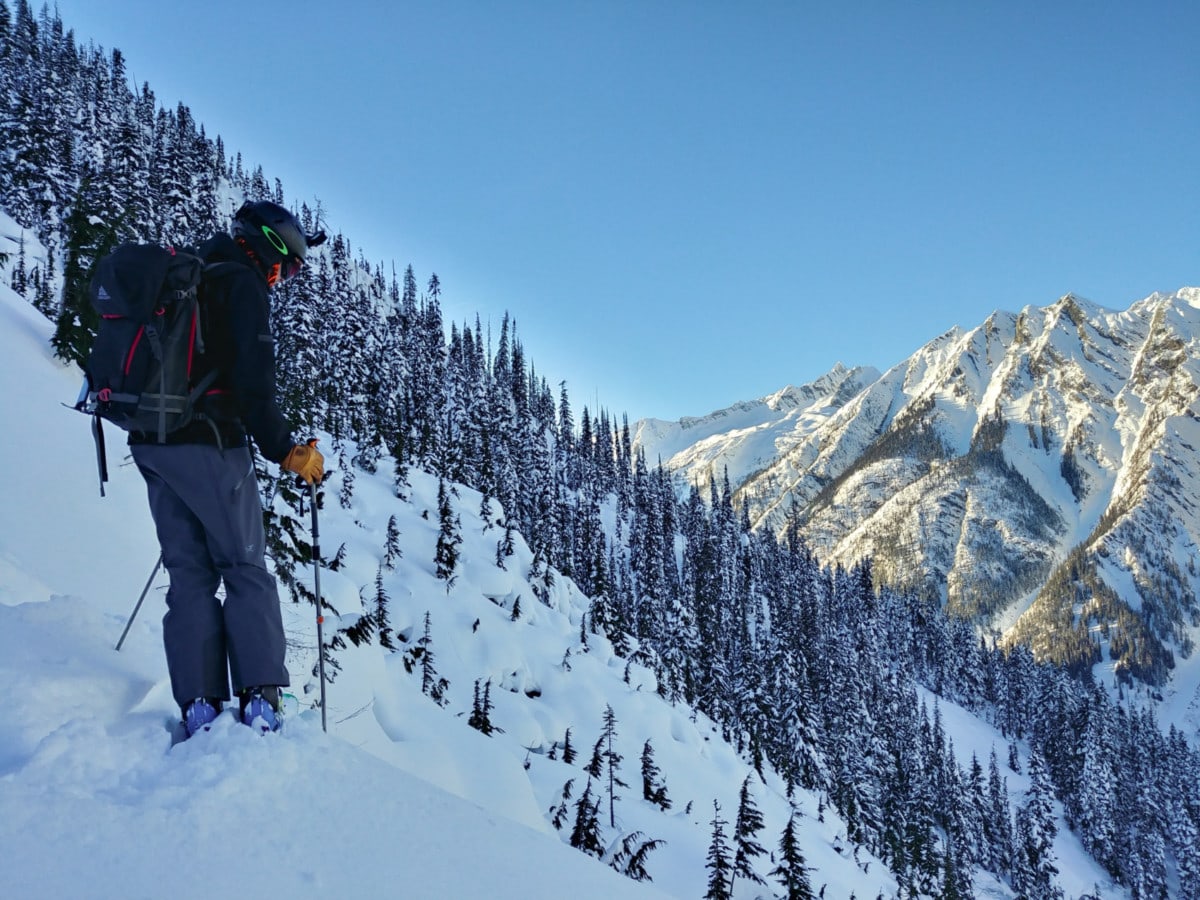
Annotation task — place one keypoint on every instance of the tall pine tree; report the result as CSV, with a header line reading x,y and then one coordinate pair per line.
x,y
791,871
718,862
747,825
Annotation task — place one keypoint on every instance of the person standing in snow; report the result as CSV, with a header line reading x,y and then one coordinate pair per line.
x,y
203,490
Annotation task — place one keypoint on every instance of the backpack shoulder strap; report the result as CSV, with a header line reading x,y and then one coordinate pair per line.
x,y
209,271
221,268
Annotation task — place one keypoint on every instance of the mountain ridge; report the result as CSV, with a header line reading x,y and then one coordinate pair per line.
x,y
976,469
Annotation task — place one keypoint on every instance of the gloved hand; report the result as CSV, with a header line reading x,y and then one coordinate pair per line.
x,y
306,461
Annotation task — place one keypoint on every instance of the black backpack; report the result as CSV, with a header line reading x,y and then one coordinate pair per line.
x,y
149,342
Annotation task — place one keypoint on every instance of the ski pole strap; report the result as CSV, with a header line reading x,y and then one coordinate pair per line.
x,y
101,455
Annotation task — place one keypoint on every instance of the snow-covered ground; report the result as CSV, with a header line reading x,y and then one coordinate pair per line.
x,y
95,802
401,797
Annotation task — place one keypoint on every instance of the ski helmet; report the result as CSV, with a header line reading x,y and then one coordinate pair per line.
x,y
274,237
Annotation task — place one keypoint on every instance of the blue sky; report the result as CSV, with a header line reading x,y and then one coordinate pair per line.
x,y
686,204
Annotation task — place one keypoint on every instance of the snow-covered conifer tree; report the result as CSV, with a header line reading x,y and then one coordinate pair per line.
x,y
790,870
1037,827
449,537
747,825
654,790
586,835
719,864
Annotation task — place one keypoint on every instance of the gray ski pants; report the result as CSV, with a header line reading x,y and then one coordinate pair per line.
x,y
206,510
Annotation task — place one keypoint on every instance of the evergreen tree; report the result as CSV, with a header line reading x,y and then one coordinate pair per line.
x,y
347,473
612,763
558,816
505,547
19,279
392,550
952,879
487,478
748,824
449,537
288,543
363,629
586,835
653,790
484,717
973,811
595,766
88,238
568,752
998,820
382,621
1184,811
719,866
476,719
791,871
1036,830
541,576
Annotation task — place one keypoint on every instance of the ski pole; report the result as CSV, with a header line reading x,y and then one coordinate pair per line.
x,y
316,556
145,590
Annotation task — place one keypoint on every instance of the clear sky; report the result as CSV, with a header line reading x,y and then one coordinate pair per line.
x,y
686,204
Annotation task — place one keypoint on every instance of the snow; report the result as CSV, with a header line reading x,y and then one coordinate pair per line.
x,y
745,437
93,799
95,804
400,797
1078,872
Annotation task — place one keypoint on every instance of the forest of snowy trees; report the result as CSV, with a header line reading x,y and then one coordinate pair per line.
x,y
821,674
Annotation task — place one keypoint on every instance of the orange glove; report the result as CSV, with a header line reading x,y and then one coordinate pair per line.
x,y
306,461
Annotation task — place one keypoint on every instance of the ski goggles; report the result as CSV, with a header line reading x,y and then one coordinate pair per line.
x,y
282,271
290,267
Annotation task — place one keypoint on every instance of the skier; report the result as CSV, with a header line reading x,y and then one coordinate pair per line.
x,y
203,489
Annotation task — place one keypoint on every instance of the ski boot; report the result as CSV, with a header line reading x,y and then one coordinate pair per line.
x,y
260,708
200,714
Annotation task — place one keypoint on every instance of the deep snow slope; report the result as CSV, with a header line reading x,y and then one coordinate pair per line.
x,y
400,796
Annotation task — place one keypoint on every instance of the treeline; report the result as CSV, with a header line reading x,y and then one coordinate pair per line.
x,y
814,672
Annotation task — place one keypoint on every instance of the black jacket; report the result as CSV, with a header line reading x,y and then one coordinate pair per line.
x,y
238,343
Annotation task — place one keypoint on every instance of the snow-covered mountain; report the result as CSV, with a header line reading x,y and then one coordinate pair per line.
x,y
401,796
747,437
1036,473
